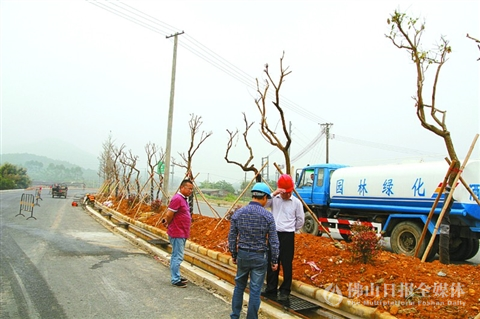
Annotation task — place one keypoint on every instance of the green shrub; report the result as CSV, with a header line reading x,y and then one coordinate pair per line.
x,y
365,244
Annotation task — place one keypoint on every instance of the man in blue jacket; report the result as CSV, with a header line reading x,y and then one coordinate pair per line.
x,y
252,234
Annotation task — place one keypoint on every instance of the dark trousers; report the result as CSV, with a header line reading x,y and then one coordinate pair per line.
x,y
285,259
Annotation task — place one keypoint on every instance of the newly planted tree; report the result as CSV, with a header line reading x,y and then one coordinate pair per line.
x,y
106,169
282,143
194,124
406,34
248,166
476,41
269,134
154,161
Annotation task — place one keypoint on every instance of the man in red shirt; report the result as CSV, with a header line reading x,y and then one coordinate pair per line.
x,y
177,221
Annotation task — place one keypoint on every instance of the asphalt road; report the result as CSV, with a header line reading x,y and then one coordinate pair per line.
x,y
64,264
212,210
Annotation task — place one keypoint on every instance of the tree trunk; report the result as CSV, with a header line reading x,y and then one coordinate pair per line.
x,y
444,240
190,203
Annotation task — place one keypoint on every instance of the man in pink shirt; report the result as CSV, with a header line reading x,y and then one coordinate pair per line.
x,y
178,221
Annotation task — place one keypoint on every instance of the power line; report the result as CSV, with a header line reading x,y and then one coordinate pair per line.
x,y
308,148
151,23
125,16
144,20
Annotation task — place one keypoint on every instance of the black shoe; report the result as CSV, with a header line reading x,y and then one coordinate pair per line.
x,y
282,297
184,280
180,284
269,294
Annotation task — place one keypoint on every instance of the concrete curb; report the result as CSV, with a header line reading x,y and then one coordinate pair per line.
x,y
219,287
224,289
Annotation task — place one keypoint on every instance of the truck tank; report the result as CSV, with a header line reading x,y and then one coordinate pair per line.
x,y
404,188
394,199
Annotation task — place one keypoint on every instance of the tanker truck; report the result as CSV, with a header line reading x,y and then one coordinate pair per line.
x,y
395,200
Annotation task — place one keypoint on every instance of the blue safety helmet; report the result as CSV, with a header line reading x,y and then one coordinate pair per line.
x,y
261,189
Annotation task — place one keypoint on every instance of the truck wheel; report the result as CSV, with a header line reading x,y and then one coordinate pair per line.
x,y
405,237
475,246
310,226
456,248
460,251
467,249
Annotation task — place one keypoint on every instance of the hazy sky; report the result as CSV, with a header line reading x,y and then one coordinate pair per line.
x,y
80,70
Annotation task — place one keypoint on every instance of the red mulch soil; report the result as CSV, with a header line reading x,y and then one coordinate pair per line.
x,y
401,285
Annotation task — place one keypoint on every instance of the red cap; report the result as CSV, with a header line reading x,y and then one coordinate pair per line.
x,y
285,181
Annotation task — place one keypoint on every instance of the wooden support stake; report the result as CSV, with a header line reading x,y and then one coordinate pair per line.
x,y
243,192
206,202
310,211
467,187
432,210
447,201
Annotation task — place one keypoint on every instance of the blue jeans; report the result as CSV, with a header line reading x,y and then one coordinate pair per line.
x,y
255,266
178,249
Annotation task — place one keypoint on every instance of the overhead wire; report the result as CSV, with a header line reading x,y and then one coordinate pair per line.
x,y
130,13
206,54
125,16
308,148
157,21
142,19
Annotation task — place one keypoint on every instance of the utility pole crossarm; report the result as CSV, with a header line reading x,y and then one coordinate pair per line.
x,y
174,35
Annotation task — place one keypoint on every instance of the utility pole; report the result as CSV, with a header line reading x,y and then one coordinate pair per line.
x,y
170,117
265,173
288,169
289,134
327,138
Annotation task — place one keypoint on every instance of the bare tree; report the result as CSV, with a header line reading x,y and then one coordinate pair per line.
x,y
406,34
476,40
247,166
129,161
154,158
126,173
194,123
116,154
106,168
261,103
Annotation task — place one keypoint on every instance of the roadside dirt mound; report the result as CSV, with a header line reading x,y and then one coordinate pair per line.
x,y
401,285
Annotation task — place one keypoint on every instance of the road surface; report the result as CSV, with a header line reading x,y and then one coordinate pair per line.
x,y
64,264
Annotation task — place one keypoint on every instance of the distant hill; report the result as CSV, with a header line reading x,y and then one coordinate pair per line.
x,y
21,159
53,149
88,176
